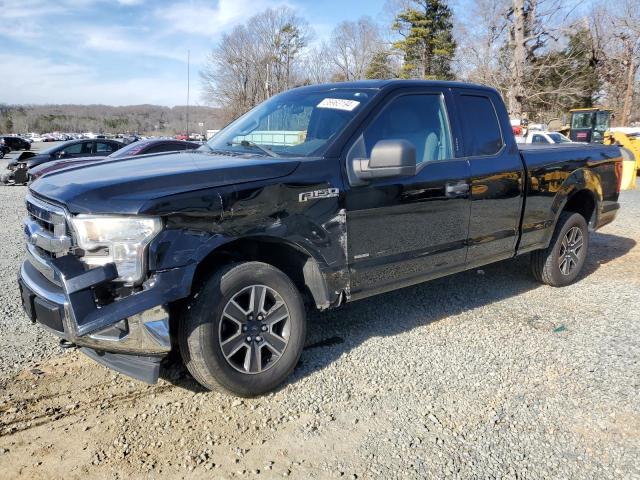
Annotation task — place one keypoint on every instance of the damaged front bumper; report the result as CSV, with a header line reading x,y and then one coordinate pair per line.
x,y
130,334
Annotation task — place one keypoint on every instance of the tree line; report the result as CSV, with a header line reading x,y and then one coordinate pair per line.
x,y
544,56
141,119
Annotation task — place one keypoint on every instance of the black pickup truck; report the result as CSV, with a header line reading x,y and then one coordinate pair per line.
x,y
319,196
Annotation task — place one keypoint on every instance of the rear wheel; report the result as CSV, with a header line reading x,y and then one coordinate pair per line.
x,y
244,330
561,262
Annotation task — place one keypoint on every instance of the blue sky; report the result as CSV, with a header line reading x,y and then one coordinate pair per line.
x,y
124,52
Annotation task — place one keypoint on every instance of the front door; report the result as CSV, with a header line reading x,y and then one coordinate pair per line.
x,y
406,230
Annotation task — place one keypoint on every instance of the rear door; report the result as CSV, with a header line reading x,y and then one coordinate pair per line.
x,y
497,176
404,230
75,150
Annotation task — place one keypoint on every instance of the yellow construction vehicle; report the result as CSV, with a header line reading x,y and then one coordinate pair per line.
x,y
593,125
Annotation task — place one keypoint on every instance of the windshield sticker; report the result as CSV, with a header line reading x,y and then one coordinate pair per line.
x,y
339,104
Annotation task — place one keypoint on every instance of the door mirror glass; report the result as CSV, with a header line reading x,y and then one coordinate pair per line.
x,y
389,158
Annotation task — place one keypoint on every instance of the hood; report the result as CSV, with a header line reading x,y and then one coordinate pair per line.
x,y
136,184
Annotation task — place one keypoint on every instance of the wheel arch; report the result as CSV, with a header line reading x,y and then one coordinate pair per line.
x,y
295,261
581,192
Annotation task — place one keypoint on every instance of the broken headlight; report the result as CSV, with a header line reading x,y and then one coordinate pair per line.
x,y
121,240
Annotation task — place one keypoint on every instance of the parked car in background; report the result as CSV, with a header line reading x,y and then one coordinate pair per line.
x,y
141,147
16,143
543,137
18,169
4,149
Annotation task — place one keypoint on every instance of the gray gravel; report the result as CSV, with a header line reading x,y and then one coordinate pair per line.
x,y
20,342
484,374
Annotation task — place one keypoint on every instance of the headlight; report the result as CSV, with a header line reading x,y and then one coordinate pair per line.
x,y
121,240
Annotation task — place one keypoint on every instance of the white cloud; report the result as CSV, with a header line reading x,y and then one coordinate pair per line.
x,y
200,17
41,8
119,40
43,81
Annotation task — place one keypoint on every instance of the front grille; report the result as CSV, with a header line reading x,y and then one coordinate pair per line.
x,y
50,217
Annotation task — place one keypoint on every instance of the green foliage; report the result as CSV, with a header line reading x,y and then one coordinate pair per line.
x,y
381,66
426,28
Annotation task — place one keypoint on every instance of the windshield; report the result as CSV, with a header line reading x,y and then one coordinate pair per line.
x,y
296,123
558,138
581,120
55,148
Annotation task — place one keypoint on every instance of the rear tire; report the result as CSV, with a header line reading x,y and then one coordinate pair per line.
x,y
561,262
231,335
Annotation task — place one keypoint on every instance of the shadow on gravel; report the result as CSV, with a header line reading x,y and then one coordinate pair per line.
x,y
331,334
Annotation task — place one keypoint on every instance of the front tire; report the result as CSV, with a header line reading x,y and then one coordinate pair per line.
x,y
561,262
244,330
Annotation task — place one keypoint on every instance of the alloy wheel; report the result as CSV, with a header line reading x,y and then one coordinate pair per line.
x,y
254,329
571,250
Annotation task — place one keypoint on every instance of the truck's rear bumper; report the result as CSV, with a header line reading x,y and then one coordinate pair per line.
x,y
130,335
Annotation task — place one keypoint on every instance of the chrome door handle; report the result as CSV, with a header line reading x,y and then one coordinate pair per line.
x,y
456,189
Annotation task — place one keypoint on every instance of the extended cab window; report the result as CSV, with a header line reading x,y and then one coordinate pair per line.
x,y
419,119
482,134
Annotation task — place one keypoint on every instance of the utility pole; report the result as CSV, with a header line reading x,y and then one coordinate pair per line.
x,y
188,84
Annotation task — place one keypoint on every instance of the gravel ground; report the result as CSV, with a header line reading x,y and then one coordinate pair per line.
x,y
484,374
20,343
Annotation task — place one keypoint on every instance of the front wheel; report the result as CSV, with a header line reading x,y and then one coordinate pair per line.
x,y
561,262
244,329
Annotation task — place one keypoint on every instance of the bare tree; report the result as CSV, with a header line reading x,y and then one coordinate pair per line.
x,y
255,61
318,65
353,45
481,34
627,32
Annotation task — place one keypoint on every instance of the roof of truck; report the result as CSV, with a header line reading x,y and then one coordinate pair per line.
x,y
380,84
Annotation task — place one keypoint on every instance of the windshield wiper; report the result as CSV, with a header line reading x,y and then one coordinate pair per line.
x,y
249,143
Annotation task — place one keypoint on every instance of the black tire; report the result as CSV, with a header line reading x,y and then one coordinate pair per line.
x,y
200,331
1,153
549,265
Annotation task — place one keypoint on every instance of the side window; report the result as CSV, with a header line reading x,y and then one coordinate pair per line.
x,y
164,147
482,134
104,147
420,119
74,149
87,148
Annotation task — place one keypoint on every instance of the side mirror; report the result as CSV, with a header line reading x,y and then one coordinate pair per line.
x,y
61,154
389,158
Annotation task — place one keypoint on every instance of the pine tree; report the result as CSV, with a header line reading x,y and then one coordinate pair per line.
x,y
427,43
381,66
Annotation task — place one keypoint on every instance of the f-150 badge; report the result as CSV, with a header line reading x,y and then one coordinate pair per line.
x,y
317,194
